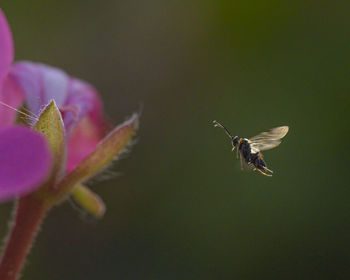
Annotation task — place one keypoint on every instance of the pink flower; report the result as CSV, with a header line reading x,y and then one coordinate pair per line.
x,y
49,159
80,111
25,157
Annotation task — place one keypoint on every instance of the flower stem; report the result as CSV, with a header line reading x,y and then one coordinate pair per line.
x,y
29,213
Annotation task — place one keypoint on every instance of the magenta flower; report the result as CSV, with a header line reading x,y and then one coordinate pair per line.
x,y
25,158
52,154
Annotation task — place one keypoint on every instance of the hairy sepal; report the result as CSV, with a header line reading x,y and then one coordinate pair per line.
x,y
50,124
106,150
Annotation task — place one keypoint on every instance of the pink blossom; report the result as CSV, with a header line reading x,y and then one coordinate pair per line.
x,y
36,85
49,159
25,158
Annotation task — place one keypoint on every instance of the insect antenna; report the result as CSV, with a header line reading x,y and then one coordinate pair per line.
x,y
29,114
217,124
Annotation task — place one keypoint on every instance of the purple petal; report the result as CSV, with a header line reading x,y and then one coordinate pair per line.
x,y
82,100
78,102
40,83
6,47
11,95
25,161
84,105
84,139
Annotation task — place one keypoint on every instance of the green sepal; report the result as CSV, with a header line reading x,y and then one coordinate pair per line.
x,y
50,124
107,150
88,201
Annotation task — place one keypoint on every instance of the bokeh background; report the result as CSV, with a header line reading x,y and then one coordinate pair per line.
x,y
179,206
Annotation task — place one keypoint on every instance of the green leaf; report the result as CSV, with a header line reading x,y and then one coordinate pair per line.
x,y
89,201
50,124
107,150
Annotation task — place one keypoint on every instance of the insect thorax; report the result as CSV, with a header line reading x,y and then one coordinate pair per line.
x,y
244,148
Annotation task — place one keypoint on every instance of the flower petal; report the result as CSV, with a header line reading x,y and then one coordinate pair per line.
x,y
82,115
6,47
82,99
11,97
9,93
25,161
82,142
40,83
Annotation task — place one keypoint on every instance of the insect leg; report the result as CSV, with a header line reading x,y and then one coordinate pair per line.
x,y
266,169
241,161
263,173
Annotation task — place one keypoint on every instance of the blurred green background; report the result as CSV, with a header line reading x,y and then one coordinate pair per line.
x,y
180,208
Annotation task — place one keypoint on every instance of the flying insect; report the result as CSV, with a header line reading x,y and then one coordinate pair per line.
x,y
249,149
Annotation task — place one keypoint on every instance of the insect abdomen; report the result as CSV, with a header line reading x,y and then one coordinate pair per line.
x,y
257,160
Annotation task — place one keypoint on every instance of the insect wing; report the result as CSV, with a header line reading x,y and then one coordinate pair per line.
x,y
268,139
245,166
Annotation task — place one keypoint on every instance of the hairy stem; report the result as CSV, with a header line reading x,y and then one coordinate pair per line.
x,y
29,213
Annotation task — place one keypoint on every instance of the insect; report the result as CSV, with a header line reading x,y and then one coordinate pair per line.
x,y
249,150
